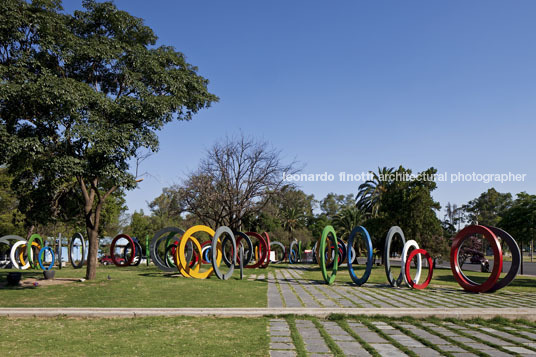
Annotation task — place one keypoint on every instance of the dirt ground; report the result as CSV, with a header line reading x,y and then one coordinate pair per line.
x,y
29,282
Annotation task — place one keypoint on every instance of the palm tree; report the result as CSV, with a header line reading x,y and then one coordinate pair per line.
x,y
292,219
346,220
370,192
454,215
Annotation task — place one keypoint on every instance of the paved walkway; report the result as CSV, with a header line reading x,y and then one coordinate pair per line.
x,y
365,337
287,288
511,313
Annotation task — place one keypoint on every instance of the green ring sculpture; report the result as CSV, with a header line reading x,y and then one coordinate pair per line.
x,y
322,253
29,251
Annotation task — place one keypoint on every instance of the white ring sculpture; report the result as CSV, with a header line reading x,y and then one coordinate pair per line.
x,y
409,244
14,261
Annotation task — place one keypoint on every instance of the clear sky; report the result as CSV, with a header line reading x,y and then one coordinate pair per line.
x,y
353,85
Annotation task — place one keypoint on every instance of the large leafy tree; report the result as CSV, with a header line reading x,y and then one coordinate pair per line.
x,y
80,95
520,219
408,204
333,203
11,219
167,208
488,208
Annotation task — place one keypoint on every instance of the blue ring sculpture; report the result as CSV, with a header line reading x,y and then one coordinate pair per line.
x,y
40,259
292,257
368,269
207,254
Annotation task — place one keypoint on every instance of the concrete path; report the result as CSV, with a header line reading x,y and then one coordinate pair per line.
x,y
511,313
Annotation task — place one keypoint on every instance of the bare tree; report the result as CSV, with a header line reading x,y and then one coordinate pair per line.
x,y
236,179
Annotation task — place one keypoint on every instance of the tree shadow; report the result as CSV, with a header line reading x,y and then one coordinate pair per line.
x,y
161,275
24,275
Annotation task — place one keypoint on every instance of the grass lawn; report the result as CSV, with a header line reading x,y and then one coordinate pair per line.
x,y
147,336
136,287
441,277
208,336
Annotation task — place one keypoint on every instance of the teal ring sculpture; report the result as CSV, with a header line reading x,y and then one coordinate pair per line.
x,y
40,259
368,269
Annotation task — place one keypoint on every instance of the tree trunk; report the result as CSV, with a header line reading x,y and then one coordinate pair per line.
x,y
91,271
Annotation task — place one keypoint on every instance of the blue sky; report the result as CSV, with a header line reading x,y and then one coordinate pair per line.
x,y
353,85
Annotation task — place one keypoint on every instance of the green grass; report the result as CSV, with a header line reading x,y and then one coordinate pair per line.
x,y
296,337
201,336
149,287
136,287
147,336
441,277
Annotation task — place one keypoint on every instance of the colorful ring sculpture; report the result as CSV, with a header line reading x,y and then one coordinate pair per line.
x,y
206,252
516,258
5,240
364,233
387,252
407,277
263,250
215,250
465,283
12,255
404,256
126,262
36,246
40,259
241,255
293,255
266,260
71,246
180,255
325,233
29,248
283,249
138,256
166,234
248,255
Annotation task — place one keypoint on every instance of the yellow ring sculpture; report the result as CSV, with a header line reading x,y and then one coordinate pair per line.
x,y
21,255
180,253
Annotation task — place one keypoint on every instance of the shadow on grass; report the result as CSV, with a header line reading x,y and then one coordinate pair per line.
x,y
160,275
24,275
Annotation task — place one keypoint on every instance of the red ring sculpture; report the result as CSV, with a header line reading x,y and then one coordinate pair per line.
x,y
497,259
193,260
112,248
262,250
267,260
430,269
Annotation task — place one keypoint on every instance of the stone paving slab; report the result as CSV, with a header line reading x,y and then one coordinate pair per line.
x,y
298,291
281,344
